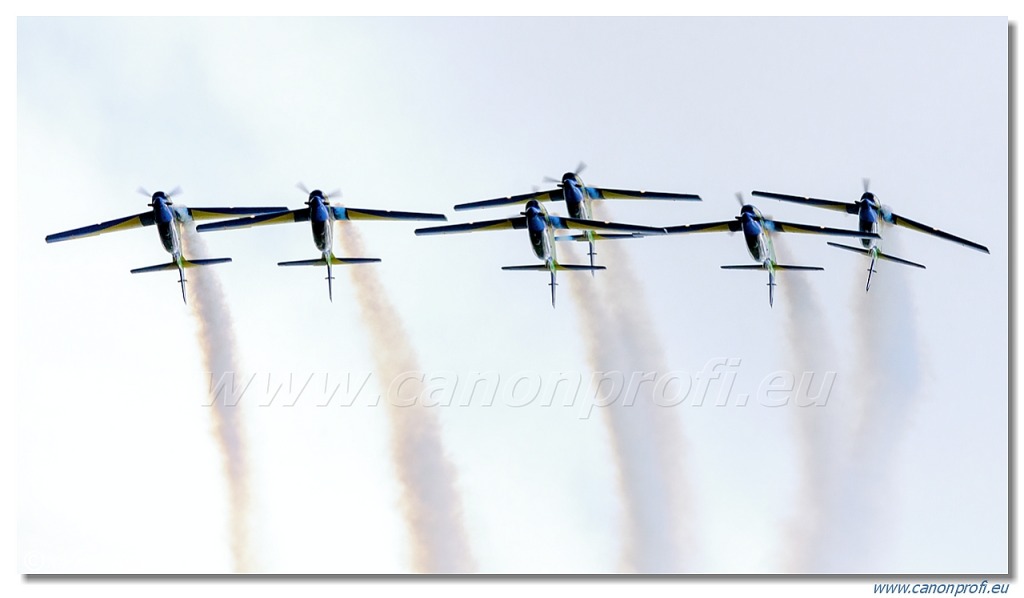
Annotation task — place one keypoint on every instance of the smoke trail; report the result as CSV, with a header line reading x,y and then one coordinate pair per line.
x,y
820,429
645,439
888,366
217,342
430,499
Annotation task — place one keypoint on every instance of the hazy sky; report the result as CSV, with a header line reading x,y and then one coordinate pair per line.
x,y
119,471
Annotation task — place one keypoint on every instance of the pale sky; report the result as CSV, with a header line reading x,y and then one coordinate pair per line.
x,y
118,469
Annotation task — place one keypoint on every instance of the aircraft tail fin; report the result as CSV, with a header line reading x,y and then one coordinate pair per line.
x,y
876,254
771,274
883,256
552,267
180,265
582,237
330,260
545,268
336,261
775,267
184,264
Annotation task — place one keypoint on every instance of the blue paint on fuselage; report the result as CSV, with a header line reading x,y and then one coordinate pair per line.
x,y
867,219
752,231
572,192
164,218
755,233
537,226
320,222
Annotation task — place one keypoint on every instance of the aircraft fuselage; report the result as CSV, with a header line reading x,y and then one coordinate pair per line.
x,y
166,225
867,221
577,202
759,243
542,237
321,222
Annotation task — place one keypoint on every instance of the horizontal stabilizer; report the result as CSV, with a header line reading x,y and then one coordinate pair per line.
x,y
342,261
582,238
577,267
744,267
881,255
337,261
776,267
156,268
785,267
537,267
205,262
545,268
184,264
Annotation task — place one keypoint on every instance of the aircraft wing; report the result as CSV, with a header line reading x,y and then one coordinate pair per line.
x,y
215,213
553,195
361,214
602,193
135,221
789,227
924,228
578,223
731,226
505,223
300,215
828,204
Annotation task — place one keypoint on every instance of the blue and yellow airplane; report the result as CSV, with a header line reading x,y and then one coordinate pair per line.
x,y
321,216
541,228
870,215
757,230
578,199
168,219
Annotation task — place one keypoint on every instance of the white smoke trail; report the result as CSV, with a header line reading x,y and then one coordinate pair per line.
x,y
646,439
430,499
217,341
819,424
888,366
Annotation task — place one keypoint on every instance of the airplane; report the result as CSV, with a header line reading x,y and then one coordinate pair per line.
x,y
870,214
168,219
541,227
757,232
321,216
579,199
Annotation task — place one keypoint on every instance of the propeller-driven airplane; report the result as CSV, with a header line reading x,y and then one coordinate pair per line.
x,y
168,219
870,214
541,227
321,216
757,230
578,199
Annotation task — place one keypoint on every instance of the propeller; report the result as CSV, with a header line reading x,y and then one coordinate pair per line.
x,y
739,198
871,200
168,194
579,168
302,187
